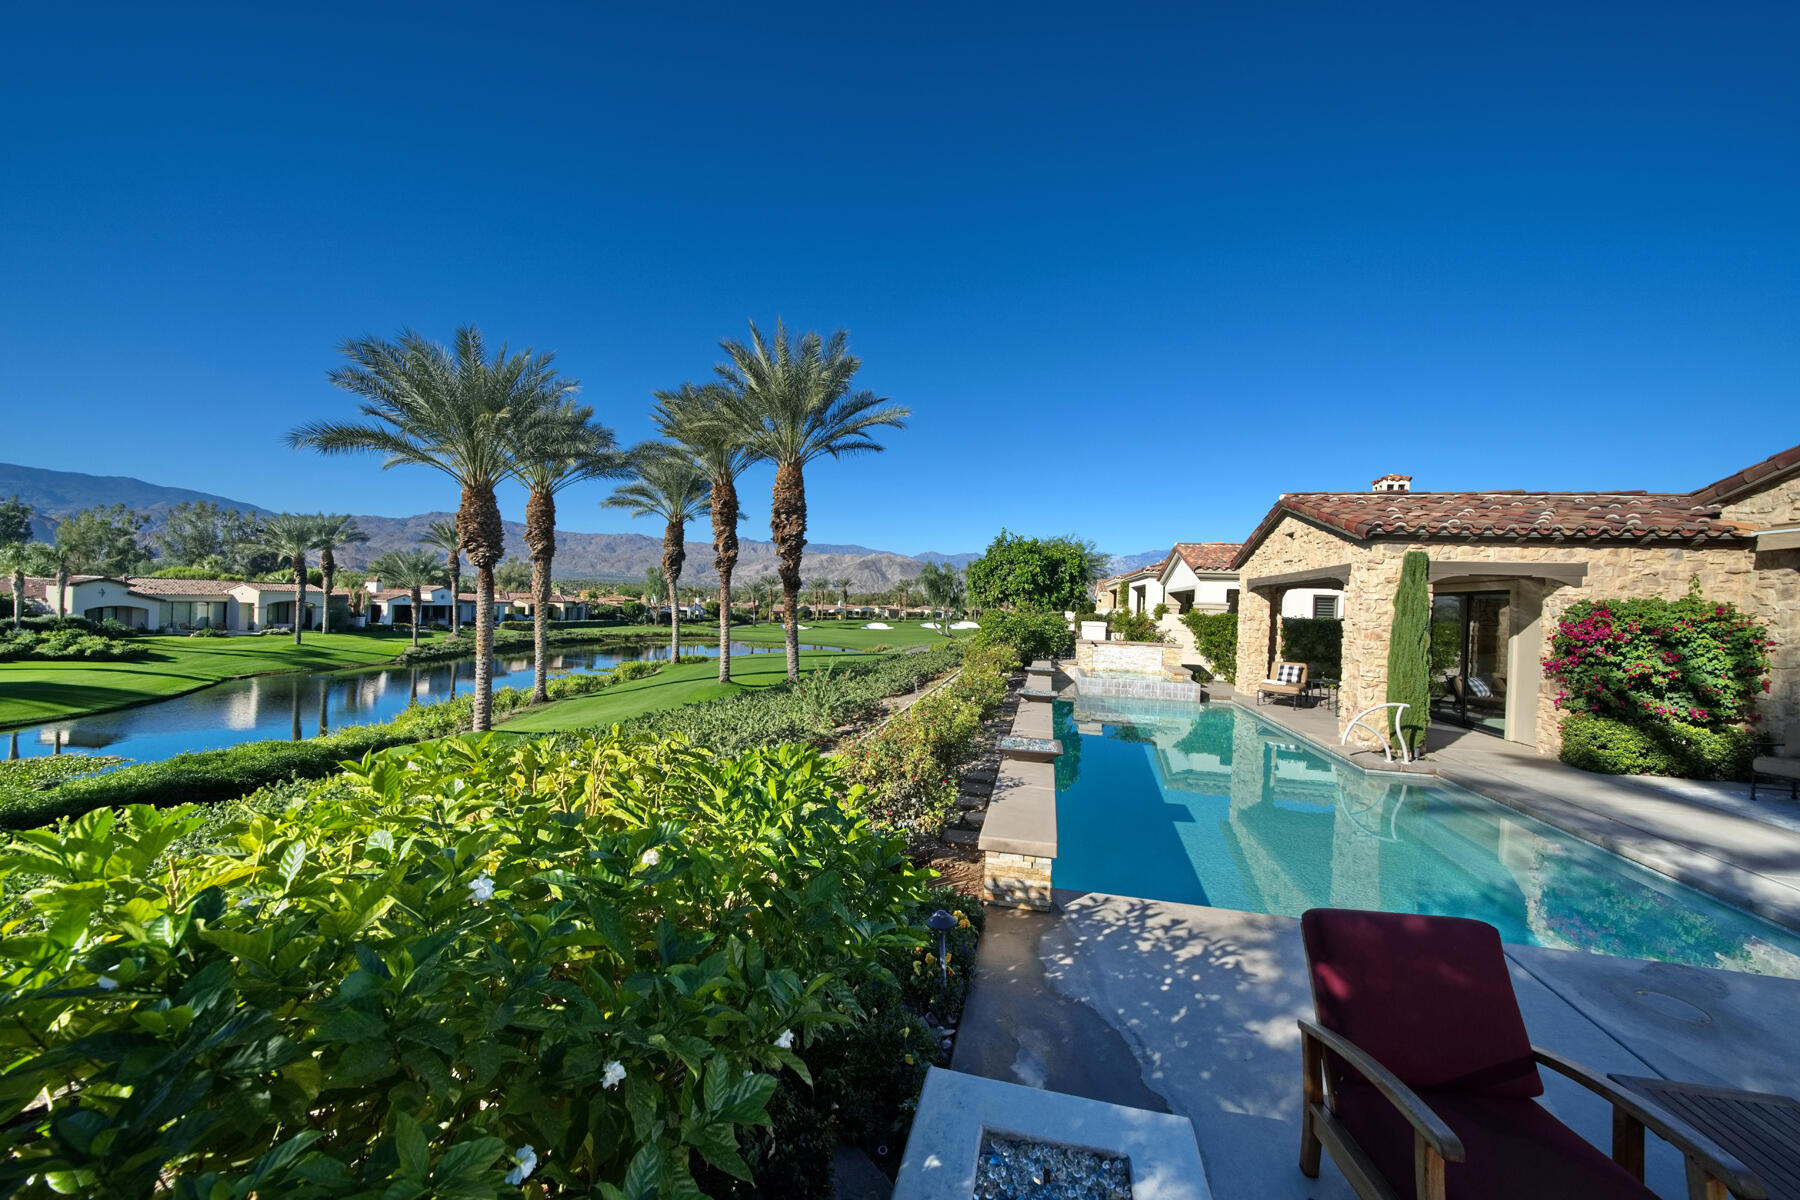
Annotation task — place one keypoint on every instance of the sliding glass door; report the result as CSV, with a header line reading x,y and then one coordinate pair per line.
x,y
1468,659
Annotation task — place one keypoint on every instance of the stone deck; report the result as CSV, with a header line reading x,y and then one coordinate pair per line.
x,y
1192,1010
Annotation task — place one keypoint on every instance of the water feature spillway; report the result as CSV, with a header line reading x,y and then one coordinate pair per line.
x,y
302,704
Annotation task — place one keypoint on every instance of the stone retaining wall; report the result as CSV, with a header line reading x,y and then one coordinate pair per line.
x,y
1147,658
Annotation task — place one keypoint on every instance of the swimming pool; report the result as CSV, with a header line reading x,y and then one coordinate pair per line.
x,y
1205,804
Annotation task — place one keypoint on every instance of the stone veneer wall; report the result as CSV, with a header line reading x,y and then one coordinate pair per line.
x,y
1766,584
1148,658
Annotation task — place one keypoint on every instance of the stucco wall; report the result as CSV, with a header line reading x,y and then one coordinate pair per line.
x,y
1766,584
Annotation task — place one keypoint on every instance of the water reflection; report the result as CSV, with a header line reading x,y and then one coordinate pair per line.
x,y
298,706
1211,806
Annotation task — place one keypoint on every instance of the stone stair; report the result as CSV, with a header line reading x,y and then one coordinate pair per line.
x,y
975,786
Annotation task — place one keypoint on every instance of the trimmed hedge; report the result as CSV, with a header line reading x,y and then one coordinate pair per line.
x,y
1033,635
1216,638
1316,641
1610,747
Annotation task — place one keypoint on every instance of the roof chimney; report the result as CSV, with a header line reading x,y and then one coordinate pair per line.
x,y
1392,483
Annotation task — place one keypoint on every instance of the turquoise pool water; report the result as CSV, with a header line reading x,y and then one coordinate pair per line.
x,y
1207,805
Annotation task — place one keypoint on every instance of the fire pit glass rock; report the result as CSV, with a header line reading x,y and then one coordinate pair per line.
x,y
1018,1169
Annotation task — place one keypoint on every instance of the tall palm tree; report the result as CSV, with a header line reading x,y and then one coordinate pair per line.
x,y
334,531
843,587
443,535
414,570
292,536
558,445
697,420
447,408
791,403
670,485
19,559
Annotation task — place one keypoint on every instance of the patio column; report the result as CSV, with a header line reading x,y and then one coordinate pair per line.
x,y
1256,637
1368,628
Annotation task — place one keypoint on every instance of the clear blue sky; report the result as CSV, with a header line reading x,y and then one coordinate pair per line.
x,y
1135,272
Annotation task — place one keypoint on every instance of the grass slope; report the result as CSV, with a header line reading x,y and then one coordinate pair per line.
x,y
43,691
849,635
687,684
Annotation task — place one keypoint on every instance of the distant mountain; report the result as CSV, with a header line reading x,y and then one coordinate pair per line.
x,y
1130,562
598,556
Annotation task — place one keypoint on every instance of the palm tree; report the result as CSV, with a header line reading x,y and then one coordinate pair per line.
x,y
557,446
292,536
335,531
447,408
763,592
442,535
943,587
414,570
20,559
670,485
696,419
843,587
791,403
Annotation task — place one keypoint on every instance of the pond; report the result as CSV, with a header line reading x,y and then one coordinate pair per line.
x,y
301,705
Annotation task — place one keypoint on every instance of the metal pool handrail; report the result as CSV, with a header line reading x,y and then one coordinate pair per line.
x,y
1386,747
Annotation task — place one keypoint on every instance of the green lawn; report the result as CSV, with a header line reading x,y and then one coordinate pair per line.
x,y
686,684
850,635
43,691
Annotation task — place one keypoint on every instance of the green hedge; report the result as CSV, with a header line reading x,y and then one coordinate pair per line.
x,y
1033,635
1216,637
1315,641
1611,747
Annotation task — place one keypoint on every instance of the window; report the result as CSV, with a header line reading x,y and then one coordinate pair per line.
x,y
1231,599
1325,607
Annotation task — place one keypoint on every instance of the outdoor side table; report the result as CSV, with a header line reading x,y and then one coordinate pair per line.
x,y
1330,688
1762,1129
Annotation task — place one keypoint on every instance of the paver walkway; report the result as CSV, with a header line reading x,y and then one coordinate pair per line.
x,y
1193,1009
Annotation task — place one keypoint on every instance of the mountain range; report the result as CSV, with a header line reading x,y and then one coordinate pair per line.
x,y
599,556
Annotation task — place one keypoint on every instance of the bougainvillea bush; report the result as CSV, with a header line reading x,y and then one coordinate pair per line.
x,y
1665,668
468,969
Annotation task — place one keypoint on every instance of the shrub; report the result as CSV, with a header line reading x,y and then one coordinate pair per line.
x,y
1133,627
1409,651
1160,611
1216,638
1316,641
1649,661
1033,634
610,957
210,631
1612,747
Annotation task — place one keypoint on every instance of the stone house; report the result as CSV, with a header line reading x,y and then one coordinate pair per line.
x,y
1504,568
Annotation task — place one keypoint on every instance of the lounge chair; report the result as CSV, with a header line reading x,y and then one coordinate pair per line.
x,y
1419,1078
1778,766
1289,680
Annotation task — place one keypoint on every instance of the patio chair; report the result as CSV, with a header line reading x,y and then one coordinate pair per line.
x,y
1780,765
1289,680
1419,1078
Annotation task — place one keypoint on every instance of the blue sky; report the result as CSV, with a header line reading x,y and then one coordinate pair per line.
x,y
1135,271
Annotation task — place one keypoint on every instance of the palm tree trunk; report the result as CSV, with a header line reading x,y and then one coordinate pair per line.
x,y
18,589
725,554
484,540
787,528
455,592
62,588
673,557
417,598
327,572
299,563
540,540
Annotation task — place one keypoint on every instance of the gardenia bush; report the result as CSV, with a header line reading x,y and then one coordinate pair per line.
x,y
1659,686
470,967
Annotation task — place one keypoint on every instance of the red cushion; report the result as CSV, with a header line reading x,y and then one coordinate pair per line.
x,y
1429,997
1512,1148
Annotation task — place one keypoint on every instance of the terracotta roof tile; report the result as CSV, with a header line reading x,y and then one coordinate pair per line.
x,y
1207,556
145,586
1749,477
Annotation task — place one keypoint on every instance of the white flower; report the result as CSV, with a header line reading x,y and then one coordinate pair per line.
x,y
613,1075
107,983
526,1160
481,888
786,1040
650,857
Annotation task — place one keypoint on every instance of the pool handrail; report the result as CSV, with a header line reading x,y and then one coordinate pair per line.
x,y
1386,747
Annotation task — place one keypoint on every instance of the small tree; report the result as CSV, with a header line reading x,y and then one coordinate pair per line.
x,y
1409,650
1016,572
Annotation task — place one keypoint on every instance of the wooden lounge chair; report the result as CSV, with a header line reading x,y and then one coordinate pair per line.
x,y
1778,766
1289,680
1419,1078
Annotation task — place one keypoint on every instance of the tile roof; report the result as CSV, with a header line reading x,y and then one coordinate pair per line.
x,y
1207,556
145,586
1514,515
1751,476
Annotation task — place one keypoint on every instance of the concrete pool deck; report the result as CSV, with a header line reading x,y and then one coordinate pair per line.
x,y
1192,1010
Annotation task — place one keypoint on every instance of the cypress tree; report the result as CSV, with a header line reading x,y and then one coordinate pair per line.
x,y
1409,650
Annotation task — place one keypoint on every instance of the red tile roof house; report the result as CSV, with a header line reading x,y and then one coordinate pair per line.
x,y
1504,568
180,605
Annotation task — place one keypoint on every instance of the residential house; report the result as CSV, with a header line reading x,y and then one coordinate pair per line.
x,y
264,605
1505,566
184,605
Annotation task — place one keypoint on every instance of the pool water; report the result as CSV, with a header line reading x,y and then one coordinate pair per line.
x,y
1205,804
